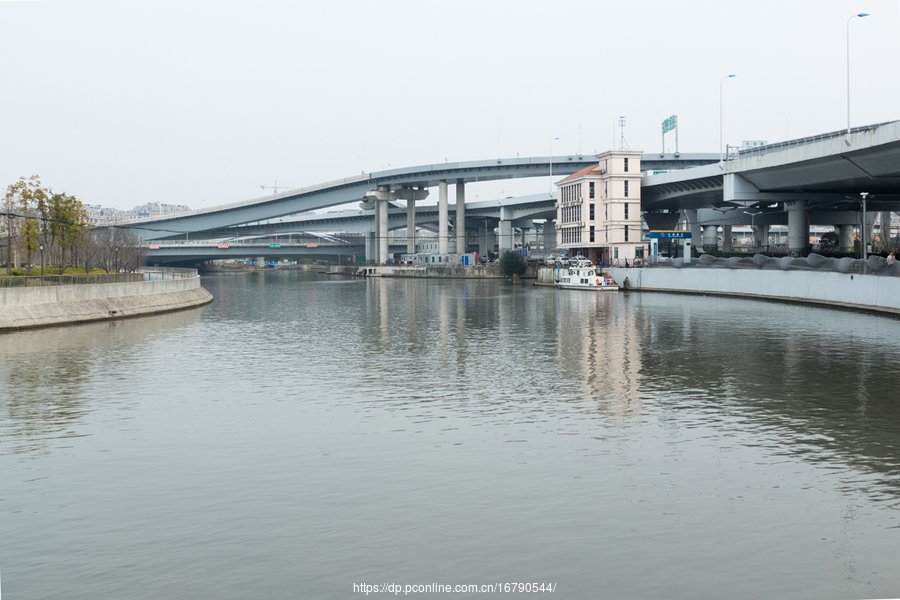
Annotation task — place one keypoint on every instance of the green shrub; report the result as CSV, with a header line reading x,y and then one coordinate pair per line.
x,y
512,264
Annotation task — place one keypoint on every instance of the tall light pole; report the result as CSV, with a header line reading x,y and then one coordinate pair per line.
x,y
865,237
551,164
721,85
848,66
42,263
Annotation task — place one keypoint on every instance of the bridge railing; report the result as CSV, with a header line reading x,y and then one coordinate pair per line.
x,y
264,240
788,144
165,273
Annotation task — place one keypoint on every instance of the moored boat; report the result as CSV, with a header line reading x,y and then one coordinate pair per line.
x,y
586,278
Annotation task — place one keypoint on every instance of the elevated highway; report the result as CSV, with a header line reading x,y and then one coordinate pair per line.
x,y
354,189
815,180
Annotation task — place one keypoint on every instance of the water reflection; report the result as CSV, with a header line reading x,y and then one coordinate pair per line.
x,y
48,377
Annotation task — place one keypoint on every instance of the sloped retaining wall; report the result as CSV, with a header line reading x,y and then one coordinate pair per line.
x,y
57,305
867,292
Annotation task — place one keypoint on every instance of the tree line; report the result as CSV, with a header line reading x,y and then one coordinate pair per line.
x,y
34,217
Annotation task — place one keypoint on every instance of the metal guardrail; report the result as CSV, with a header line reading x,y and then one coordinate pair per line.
x,y
47,280
166,273
786,145
143,274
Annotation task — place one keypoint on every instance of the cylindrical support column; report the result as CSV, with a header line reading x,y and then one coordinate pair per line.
x,y
885,219
443,219
760,236
798,227
727,243
845,237
549,236
691,216
460,222
381,216
506,236
483,247
371,247
411,226
261,261
710,237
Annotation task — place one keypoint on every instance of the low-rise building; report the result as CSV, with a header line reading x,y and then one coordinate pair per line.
x,y
598,212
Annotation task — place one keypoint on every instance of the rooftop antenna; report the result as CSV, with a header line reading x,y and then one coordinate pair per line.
x,y
622,144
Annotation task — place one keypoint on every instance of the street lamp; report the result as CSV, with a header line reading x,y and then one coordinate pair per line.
x,y
752,227
848,66
42,264
865,239
721,85
551,164
117,259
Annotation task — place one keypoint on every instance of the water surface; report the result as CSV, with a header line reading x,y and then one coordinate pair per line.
x,y
304,433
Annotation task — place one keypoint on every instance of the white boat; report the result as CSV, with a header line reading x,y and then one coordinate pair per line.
x,y
586,278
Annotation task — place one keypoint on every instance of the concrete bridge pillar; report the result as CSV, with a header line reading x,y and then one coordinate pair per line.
x,y
691,216
506,236
379,201
549,236
443,219
845,238
411,226
798,227
885,220
411,196
710,238
371,247
483,239
727,242
460,222
381,210
760,235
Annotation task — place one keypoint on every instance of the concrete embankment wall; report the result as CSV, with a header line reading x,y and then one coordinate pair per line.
x,y
62,304
868,292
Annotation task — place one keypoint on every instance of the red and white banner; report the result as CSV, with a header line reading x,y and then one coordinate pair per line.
x,y
223,245
154,247
312,245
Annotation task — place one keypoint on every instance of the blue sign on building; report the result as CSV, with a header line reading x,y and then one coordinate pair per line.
x,y
669,235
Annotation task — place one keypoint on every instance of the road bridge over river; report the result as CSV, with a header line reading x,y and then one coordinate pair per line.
x,y
816,179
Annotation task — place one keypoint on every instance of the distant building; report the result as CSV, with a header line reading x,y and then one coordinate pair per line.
x,y
98,215
598,212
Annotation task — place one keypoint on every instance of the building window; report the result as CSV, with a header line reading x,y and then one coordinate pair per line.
x,y
639,252
626,231
592,233
592,189
591,207
626,189
626,165
616,252
626,212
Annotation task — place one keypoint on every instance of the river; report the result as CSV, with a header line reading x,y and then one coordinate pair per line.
x,y
305,433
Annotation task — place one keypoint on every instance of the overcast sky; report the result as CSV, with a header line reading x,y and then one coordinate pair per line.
x,y
200,102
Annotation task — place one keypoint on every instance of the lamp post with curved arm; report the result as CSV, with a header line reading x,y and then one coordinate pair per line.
x,y
848,66
721,154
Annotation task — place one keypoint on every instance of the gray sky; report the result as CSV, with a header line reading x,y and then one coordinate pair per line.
x,y
200,102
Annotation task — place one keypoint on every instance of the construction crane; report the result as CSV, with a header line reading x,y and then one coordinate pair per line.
x,y
277,187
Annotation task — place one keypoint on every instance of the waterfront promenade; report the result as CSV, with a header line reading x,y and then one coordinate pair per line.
x,y
156,290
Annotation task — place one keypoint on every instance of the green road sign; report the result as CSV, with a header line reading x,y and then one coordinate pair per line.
x,y
274,245
670,124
